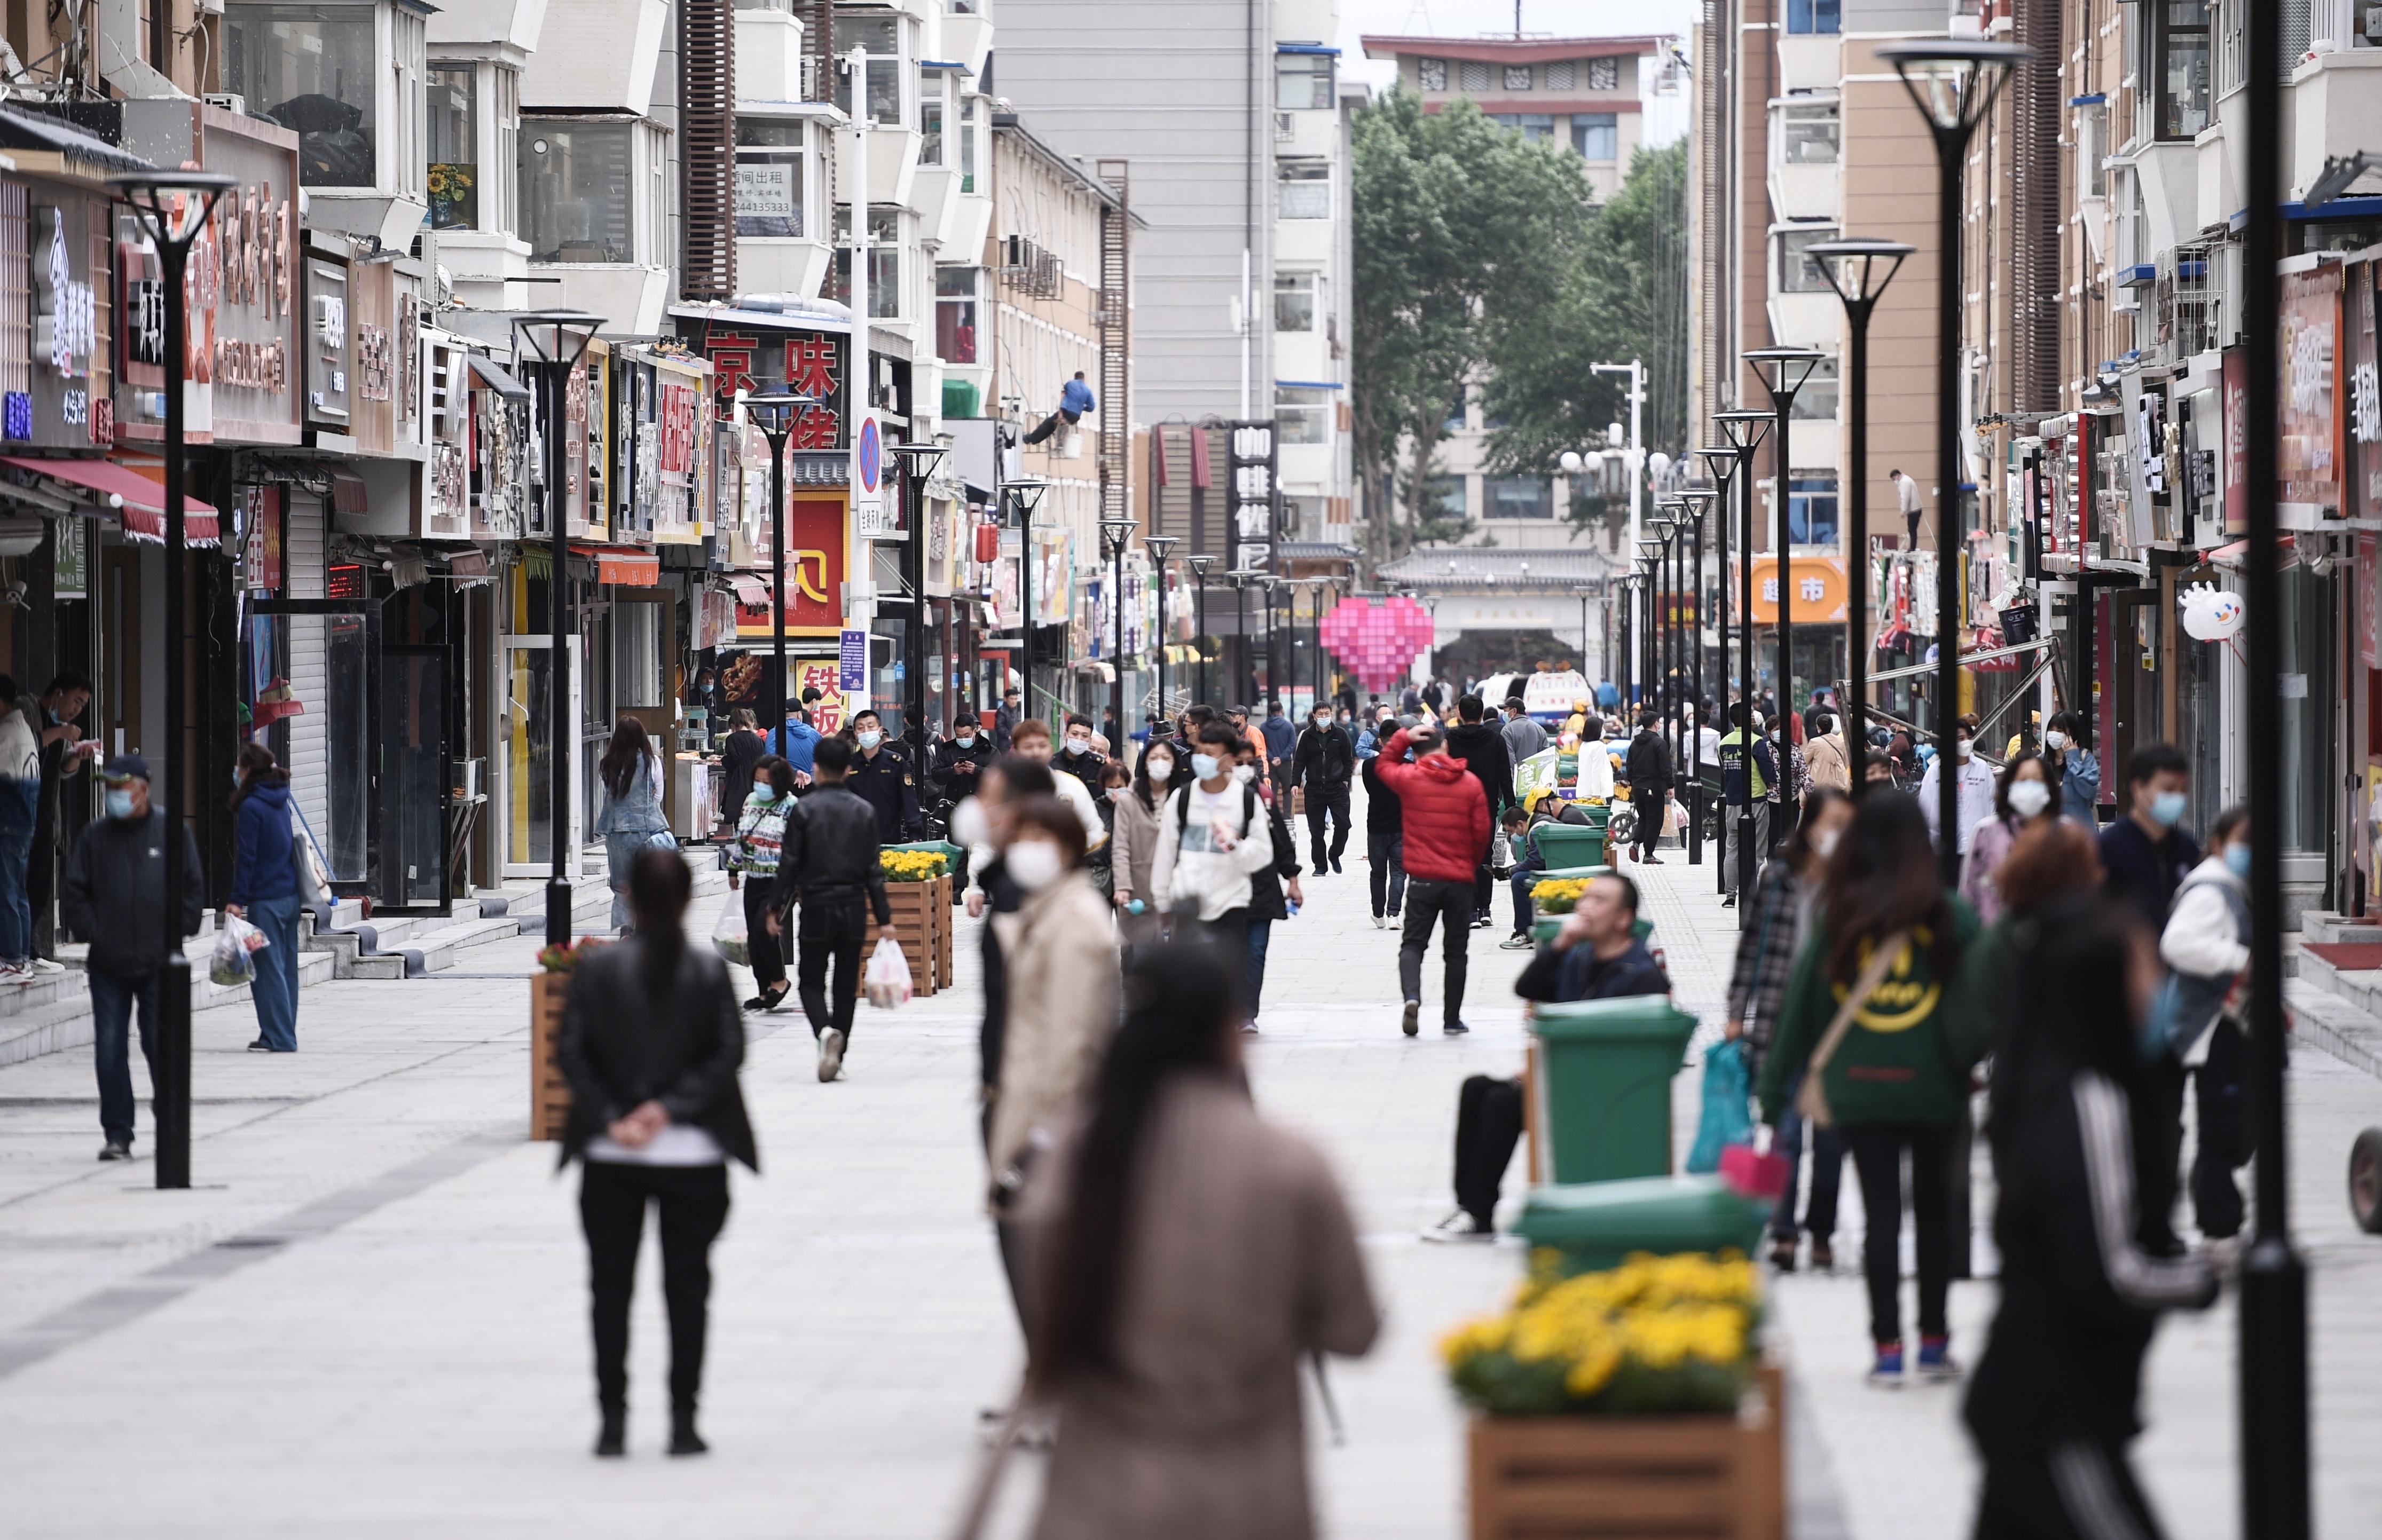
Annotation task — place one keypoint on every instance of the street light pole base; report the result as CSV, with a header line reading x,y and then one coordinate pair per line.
x,y
2274,1391
558,912
170,1109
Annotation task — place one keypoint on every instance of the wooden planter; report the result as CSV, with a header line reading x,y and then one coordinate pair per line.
x,y
922,921
549,1094
1588,1478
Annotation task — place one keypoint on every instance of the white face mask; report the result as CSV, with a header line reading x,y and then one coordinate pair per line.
x,y
969,826
2055,740
1965,747
1244,773
966,740
2029,798
1079,745
1823,842
1035,864
1162,769
870,739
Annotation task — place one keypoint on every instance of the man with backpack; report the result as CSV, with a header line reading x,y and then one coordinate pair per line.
x,y
1213,838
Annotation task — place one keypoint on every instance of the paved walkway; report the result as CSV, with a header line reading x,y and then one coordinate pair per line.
x,y
368,1318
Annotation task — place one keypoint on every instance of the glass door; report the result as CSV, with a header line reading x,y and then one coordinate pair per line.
x,y
526,762
320,654
415,790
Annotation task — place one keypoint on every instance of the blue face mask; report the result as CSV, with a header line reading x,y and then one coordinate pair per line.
x,y
765,793
119,802
2168,807
1205,766
2237,859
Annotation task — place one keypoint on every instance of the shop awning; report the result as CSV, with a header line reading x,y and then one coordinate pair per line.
x,y
492,374
751,591
128,491
348,494
623,566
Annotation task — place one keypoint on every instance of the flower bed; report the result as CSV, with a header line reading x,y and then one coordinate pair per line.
x,y
1558,896
913,865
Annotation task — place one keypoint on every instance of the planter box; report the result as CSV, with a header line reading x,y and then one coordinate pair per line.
x,y
549,1094
922,921
1587,1478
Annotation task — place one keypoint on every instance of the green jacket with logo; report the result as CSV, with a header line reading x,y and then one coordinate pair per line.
x,y
1908,1056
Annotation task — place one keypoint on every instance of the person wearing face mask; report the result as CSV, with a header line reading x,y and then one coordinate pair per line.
x,y
1384,832
1078,757
114,896
1213,838
753,860
1132,845
2148,853
1266,889
1972,782
1748,770
2206,945
1324,763
880,777
1031,740
2021,800
830,862
960,760
2076,770
794,741
1780,921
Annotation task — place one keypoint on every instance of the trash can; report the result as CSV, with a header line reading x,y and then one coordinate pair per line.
x,y
1596,1225
1601,1091
1569,845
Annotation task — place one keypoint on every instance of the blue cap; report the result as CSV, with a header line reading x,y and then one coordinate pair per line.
x,y
125,767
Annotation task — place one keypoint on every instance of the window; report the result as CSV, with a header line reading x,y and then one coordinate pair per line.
x,y
1560,74
882,35
1453,421
503,208
1444,497
1303,413
967,145
884,262
1304,189
454,149
1811,18
1816,401
1473,73
1812,509
955,292
309,64
1809,135
2092,148
1432,74
1294,302
1302,82
931,129
1517,77
1604,74
1530,125
769,177
1798,273
1596,135
2181,68
1519,497
575,192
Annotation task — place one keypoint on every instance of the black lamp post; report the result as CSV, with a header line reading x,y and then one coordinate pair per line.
x,y
1199,565
1783,372
1584,591
1117,535
1162,551
1952,82
1721,461
1665,527
173,207
1695,500
918,462
1744,428
774,413
1024,495
1859,271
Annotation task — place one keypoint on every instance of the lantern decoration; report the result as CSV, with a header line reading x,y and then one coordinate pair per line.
x,y
1378,639
2210,614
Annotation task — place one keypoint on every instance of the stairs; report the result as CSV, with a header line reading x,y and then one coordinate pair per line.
x,y
2333,985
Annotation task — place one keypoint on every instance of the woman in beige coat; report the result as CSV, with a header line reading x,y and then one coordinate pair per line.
x,y
1183,1257
1132,843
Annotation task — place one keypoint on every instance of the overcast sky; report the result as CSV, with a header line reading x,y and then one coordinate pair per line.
x,y
1666,116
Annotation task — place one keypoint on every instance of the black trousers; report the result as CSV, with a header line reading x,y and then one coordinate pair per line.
x,y
1488,1126
1448,905
1485,886
2158,1153
2221,1099
1653,804
832,931
2068,1491
693,1203
1385,853
767,951
1333,801
1877,1155
1050,424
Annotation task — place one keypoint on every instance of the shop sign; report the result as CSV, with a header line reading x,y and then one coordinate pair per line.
x,y
327,344
872,507
70,559
2369,613
64,322
814,573
675,511
2365,346
2311,460
852,661
1819,596
825,678
808,363
2236,411
260,520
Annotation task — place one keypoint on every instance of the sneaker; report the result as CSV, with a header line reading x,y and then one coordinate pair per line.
x,y
756,1003
1336,867
1412,1022
1518,942
1454,1029
1728,900
1887,1373
48,965
260,1047
115,1149
16,972
1250,1027
1935,1361
1459,1225
1651,861
1482,921
830,1046
1380,922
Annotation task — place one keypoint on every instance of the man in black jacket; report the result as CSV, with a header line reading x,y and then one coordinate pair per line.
x,y
1384,839
960,760
880,777
1482,746
115,897
1648,769
1324,762
830,862
1078,758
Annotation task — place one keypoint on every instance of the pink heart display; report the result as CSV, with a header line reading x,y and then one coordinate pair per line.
x,y
1378,639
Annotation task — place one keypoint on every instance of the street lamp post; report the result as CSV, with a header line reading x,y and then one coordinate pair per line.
x,y
1744,429
774,413
1117,535
173,207
1721,461
1853,268
1952,81
1696,501
1584,590
1199,565
1162,550
918,462
1024,495
1783,370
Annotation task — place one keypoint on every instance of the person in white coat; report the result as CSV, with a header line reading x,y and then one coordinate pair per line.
x,y
2207,944
1974,785
1214,837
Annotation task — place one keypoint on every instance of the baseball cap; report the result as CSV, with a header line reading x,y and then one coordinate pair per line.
x,y
125,767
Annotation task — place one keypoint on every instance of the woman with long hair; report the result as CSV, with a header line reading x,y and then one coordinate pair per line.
x,y
264,893
1132,843
1786,898
2023,798
738,760
1184,1254
632,818
651,1041
753,864
2053,1407
1879,1014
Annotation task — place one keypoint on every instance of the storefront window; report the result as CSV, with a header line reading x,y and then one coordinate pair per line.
x,y
575,192
454,148
308,68
769,177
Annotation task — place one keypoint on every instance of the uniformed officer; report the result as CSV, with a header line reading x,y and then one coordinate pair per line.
x,y
882,777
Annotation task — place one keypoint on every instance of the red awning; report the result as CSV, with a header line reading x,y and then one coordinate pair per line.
x,y
623,564
143,500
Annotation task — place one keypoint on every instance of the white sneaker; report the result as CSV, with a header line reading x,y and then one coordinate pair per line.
x,y
16,972
1458,1226
48,965
830,1046
1380,922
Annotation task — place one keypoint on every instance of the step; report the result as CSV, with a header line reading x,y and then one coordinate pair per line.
x,y
2335,1023
53,1014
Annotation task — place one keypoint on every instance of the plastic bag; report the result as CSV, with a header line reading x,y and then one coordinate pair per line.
x,y
233,963
1726,1120
728,932
888,979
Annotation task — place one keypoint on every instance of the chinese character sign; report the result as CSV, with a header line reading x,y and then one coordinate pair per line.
x,y
1818,592
811,367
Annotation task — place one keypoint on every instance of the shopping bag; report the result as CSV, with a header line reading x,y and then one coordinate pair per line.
x,y
233,963
1726,1120
728,932
888,979
1753,1173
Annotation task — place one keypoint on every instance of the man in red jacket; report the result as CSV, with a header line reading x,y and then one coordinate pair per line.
x,y
1446,825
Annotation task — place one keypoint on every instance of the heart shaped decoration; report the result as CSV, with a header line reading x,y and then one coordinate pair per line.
x,y
1378,640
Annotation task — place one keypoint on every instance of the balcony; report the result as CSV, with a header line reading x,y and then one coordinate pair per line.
x,y
327,72
892,165
1805,173
2335,109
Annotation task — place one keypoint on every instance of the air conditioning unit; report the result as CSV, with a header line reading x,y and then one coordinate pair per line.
x,y
229,100
1017,253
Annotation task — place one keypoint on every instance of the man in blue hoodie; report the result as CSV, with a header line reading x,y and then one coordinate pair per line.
x,y
795,741
1073,401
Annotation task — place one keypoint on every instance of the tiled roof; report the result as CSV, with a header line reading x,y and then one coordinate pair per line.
x,y
1476,567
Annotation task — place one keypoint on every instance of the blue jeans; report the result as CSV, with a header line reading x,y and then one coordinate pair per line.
x,y
16,909
275,986
1828,1151
620,855
1524,879
1260,932
112,999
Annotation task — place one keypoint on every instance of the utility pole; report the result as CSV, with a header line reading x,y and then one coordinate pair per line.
x,y
1637,373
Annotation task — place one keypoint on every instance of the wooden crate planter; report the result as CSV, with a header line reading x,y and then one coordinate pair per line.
x,y
1603,1478
921,915
945,916
549,1094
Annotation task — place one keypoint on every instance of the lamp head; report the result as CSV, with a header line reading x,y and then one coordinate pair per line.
x,y
1721,460
558,337
1952,80
1784,370
1025,495
1161,546
1743,427
1859,269
1698,500
773,411
173,206
1117,533
1199,563
1571,463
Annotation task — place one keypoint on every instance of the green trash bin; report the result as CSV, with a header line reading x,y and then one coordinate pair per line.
x,y
1603,1091
1569,845
1596,1225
